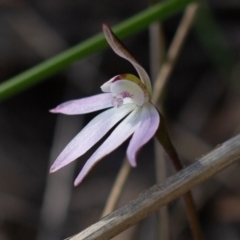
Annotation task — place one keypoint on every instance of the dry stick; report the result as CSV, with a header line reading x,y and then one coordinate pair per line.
x,y
117,187
161,194
157,45
174,50
162,78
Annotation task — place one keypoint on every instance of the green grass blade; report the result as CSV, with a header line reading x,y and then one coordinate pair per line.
x,y
92,45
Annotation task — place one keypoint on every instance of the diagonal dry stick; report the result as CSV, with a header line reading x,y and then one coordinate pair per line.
x,y
161,194
174,50
117,187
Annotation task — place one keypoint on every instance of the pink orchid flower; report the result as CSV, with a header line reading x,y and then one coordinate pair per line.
x,y
128,100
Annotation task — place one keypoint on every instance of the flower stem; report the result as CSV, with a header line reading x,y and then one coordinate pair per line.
x,y
158,89
164,139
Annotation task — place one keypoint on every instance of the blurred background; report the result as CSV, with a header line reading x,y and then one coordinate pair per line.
x,y
201,103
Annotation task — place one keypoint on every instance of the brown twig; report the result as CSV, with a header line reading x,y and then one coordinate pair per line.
x,y
117,189
174,50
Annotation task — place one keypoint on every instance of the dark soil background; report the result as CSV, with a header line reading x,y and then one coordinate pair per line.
x,y
201,103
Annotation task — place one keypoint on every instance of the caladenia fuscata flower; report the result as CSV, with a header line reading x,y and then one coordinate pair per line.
x,y
130,112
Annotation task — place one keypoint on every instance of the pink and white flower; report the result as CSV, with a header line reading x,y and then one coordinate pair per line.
x,y
128,100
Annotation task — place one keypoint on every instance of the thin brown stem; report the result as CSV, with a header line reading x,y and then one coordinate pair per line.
x,y
117,188
190,204
192,216
174,50
164,139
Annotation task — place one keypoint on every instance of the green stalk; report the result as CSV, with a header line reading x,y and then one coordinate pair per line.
x,y
92,45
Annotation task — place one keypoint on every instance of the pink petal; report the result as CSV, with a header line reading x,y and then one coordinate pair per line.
x,y
90,135
119,49
121,133
149,122
85,105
